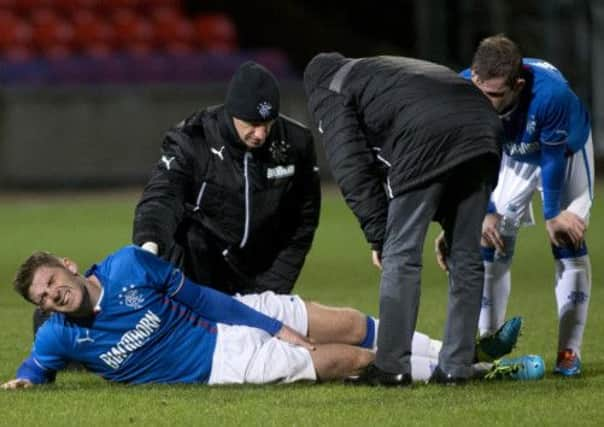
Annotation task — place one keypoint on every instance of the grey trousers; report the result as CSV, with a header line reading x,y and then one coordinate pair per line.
x,y
458,202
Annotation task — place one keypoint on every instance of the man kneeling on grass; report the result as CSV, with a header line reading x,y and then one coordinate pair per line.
x,y
133,318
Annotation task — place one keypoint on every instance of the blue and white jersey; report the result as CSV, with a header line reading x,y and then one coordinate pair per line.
x,y
548,123
150,326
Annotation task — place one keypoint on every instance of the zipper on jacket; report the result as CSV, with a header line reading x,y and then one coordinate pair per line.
x,y
246,228
199,196
387,186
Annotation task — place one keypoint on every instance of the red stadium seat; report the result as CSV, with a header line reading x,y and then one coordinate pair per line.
x,y
92,34
15,35
27,7
173,32
71,7
43,16
8,5
149,5
109,5
216,32
132,32
52,36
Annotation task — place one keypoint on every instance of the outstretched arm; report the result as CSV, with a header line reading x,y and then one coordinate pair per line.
x,y
29,374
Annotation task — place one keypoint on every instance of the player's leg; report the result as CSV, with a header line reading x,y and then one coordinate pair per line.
x,y
516,183
340,325
339,361
332,325
573,268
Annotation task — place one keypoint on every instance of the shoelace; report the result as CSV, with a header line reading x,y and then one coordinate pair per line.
x,y
500,371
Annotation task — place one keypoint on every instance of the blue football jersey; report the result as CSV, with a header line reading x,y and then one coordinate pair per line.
x,y
141,332
548,123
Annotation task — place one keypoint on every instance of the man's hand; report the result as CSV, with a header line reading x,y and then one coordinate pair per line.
x,y
566,229
490,233
376,258
287,334
16,383
441,251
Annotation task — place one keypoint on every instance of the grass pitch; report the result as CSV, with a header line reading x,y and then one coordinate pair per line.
x,y
339,272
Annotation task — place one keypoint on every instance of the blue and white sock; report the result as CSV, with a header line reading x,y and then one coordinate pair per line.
x,y
573,289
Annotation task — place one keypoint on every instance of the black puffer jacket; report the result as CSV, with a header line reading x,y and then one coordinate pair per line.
x,y
236,219
395,123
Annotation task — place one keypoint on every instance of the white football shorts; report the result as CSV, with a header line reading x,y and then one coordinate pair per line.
x,y
519,180
250,355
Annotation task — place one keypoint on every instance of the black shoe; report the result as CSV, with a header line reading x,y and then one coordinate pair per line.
x,y
374,376
440,377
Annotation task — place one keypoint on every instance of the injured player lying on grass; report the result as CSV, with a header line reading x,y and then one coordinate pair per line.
x,y
133,318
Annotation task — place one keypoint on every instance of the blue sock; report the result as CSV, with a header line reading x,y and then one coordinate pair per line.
x,y
369,335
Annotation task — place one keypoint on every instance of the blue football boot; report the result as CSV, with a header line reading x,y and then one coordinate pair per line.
x,y
568,364
493,347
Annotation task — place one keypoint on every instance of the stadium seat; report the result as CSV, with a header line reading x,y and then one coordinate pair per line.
x,y
216,33
110,5
153,4
93,36
71,7
52,35
15,37
8,5
133,33
26,7
173,32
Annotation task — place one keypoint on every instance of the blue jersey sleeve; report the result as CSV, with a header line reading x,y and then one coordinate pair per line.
x,y
47,355
553,164
31,370
555,113
207,302
223,308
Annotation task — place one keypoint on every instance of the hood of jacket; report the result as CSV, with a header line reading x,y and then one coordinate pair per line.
x,y
321,69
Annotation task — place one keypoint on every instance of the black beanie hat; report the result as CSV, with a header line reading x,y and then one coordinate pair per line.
x,y
253,94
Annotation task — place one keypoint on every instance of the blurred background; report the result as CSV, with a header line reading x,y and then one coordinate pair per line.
x,y
87,87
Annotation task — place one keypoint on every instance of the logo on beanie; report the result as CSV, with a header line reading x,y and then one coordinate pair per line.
x,y
264,109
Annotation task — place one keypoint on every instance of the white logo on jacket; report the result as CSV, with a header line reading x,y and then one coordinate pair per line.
x,y
167,161
280,171
217,152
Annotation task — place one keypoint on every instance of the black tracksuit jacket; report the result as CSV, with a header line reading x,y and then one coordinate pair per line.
x,y
236,219
393,124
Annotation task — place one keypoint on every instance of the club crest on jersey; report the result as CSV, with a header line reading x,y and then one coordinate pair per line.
x,y
264,109
280,171
131,297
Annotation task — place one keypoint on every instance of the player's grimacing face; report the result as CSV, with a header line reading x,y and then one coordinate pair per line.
x,y
498,91
57,289
252,134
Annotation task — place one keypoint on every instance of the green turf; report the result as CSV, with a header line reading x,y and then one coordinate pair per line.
x,y
338,271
